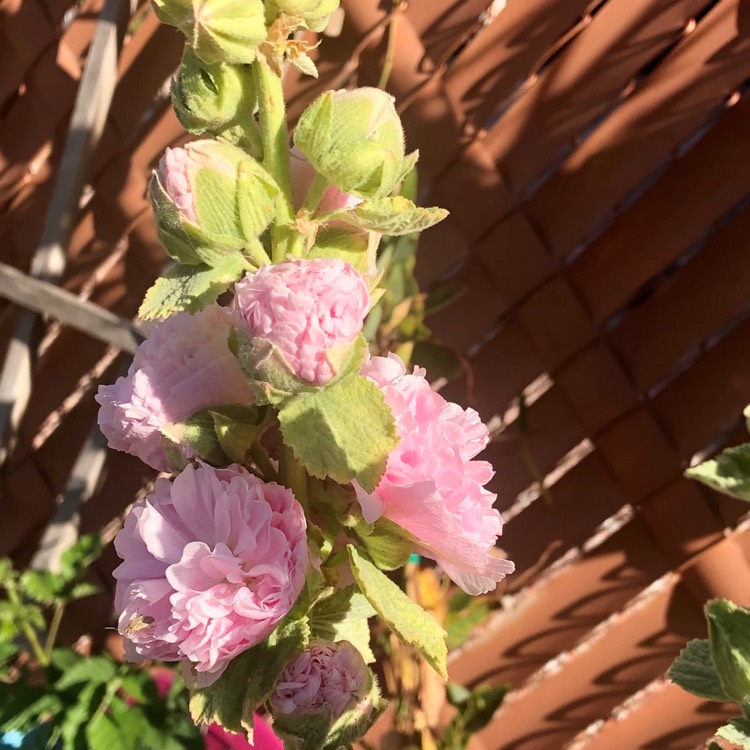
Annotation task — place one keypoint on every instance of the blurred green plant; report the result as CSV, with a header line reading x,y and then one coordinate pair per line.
x,y
58,697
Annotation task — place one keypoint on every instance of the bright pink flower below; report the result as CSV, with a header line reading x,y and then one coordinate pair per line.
x,y
183,366
308,309
325,674
431,486
211,563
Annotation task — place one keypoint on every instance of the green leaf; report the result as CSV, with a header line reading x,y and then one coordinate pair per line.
x,y
350,244
237,428
694,671
41,585
77,558
342,616
82,590
79,714
191,288
457,695
386,543
198,434
104,734
249,679
344,431
480,708
8,653
729,472
403,616
729,637
465,614
737,732
6,570
64,659
95,669
392,215
439,360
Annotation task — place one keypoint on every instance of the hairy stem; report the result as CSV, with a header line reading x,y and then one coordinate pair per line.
x,y
275,140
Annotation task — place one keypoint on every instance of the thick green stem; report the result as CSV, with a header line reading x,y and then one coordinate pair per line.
x,y
275,140
28,631
54,626
294,476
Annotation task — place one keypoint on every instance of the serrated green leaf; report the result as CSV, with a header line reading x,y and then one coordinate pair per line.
x,y
344,431
41,585
342,616
403,616
249,679
729,638
393,215
82,590
29,707
729,472
386,543
104,734
694,671
75,560
64,659
95,669
190,288
737,731
481,707
79,714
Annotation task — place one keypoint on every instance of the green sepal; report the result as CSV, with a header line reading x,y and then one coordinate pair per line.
x,y
729,637
249,679
386,543
392,215
226,31
342,615
404,617
737,731
191,288
694,671
356,247
729,472
344,431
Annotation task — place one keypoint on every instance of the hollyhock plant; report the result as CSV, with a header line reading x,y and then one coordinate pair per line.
x,y
212,561
325,674
311,311
432,487
183,366
303,176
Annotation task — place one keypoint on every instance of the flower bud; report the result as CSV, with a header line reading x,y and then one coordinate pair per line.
x,y
211,98
315,13
355,140
303,175
210,197
220,31
302,319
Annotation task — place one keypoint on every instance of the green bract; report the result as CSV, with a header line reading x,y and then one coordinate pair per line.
x,y
355,140
233,197
729,636
211,98
219,31
314,13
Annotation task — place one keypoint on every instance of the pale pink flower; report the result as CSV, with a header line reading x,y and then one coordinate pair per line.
x,y
212,561
174,176
303,174
183,366
310,310
326,674
431,486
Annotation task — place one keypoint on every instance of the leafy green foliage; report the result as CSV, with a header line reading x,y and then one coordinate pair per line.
x,y
342,616
729,472
737,731
403,616
190,288
394,215
465,614
693,670
386,543
249,679
344,431
475,711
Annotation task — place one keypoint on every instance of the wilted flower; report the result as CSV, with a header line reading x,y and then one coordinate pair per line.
x,y
219,31
315,13
210,197
355,139
183,366
310,311
211,563
431,486
326,674
211,98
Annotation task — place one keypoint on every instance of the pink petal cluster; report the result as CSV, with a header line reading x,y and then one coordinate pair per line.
x,y
305,308
432,487
174,176
212,561
183,366
303,174
326,674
